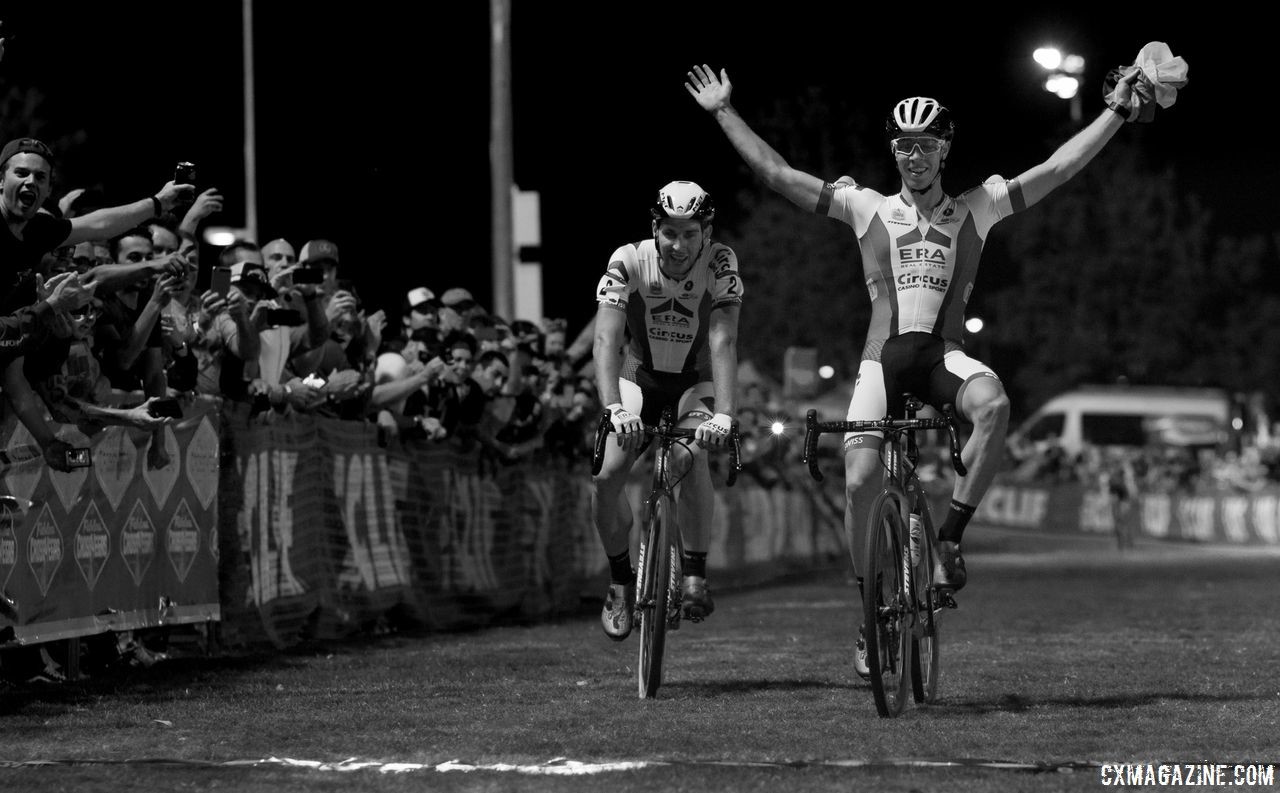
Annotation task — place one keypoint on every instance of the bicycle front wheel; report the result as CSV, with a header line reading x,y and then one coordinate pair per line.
x,y
926,647
653,596
887,605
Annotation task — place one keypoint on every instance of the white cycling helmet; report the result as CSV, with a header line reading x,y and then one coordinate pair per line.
x,y
683,201
920,115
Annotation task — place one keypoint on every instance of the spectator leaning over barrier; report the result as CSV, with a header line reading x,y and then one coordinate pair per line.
x,y
278,335
180,325
128,341
342,361
26,181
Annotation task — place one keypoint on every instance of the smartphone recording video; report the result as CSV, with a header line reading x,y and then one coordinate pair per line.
x,y
184,173
308,274
221,281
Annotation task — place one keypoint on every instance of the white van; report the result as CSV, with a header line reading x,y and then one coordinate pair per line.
x,y
1129,416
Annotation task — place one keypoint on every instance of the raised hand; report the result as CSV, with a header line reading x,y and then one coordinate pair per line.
x,y
67,292
710,92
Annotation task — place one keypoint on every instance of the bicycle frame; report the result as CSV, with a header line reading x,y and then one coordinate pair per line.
x,y
900,600
659,570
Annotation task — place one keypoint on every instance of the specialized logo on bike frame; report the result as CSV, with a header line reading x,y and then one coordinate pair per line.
x,y
91,545
9,519
44,549
138,542
182,540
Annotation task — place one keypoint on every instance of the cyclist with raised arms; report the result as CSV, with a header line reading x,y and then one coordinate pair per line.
x,y
920,249
673,300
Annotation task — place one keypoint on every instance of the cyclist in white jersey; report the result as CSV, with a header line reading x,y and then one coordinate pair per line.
x,y
674,301
920,250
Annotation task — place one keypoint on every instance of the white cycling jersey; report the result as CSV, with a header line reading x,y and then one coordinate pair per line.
x,y
668,318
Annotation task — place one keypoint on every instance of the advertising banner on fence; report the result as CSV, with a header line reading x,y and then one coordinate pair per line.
x,y
1225,516
335,533
117,545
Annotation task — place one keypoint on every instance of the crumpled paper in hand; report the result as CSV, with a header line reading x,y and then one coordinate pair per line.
x,y
1165,71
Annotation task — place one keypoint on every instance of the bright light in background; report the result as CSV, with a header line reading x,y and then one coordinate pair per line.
x,y
973,324
1065,71
222,236
1063,85
826,372
777,428
1048,57
1237,423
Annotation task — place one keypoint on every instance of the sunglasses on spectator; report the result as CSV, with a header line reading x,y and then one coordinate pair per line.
x,y
905,146
85,312
463,305
425,308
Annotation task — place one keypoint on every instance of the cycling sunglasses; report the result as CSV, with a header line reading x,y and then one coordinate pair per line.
x,y
905,146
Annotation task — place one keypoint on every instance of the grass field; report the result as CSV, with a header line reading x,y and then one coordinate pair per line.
x,y
1063,655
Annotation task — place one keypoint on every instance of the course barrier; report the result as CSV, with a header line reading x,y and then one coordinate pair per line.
x,y
331,534
1222,517
115,546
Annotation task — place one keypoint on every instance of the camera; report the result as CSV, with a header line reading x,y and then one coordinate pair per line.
x,y
166,408
79,458
184,173
308,274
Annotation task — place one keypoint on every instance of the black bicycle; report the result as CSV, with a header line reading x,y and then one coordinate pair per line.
x,y
659,571
901,604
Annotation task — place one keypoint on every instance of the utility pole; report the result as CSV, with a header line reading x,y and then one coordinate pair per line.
x,y
250,128
500,156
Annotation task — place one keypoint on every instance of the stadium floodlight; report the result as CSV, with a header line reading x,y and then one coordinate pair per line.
x,y
1065,71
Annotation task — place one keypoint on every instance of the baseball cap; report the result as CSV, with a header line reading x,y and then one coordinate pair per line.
x,y
25,146
316,250
249,270
420,296
458,298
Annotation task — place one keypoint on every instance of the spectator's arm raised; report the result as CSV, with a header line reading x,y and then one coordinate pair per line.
x,y
111,222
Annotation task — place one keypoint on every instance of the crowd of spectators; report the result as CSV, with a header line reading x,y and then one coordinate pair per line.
x,y
103,304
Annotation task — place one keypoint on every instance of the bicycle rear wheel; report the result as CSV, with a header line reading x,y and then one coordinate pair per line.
x,y
886,603
653,596
926,647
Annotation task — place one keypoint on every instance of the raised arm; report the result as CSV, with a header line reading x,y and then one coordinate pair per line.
x,y
712,94
103,224
1040,180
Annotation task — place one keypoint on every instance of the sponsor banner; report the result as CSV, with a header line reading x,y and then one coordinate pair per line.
x,y
118,545
336,533
1226,517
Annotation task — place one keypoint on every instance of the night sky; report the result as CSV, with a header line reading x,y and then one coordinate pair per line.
x,y
373,120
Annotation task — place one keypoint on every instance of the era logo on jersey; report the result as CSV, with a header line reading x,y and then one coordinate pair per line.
x,y
922,255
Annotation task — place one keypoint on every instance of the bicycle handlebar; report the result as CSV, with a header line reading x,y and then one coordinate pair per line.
x,y
671,433
814,428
